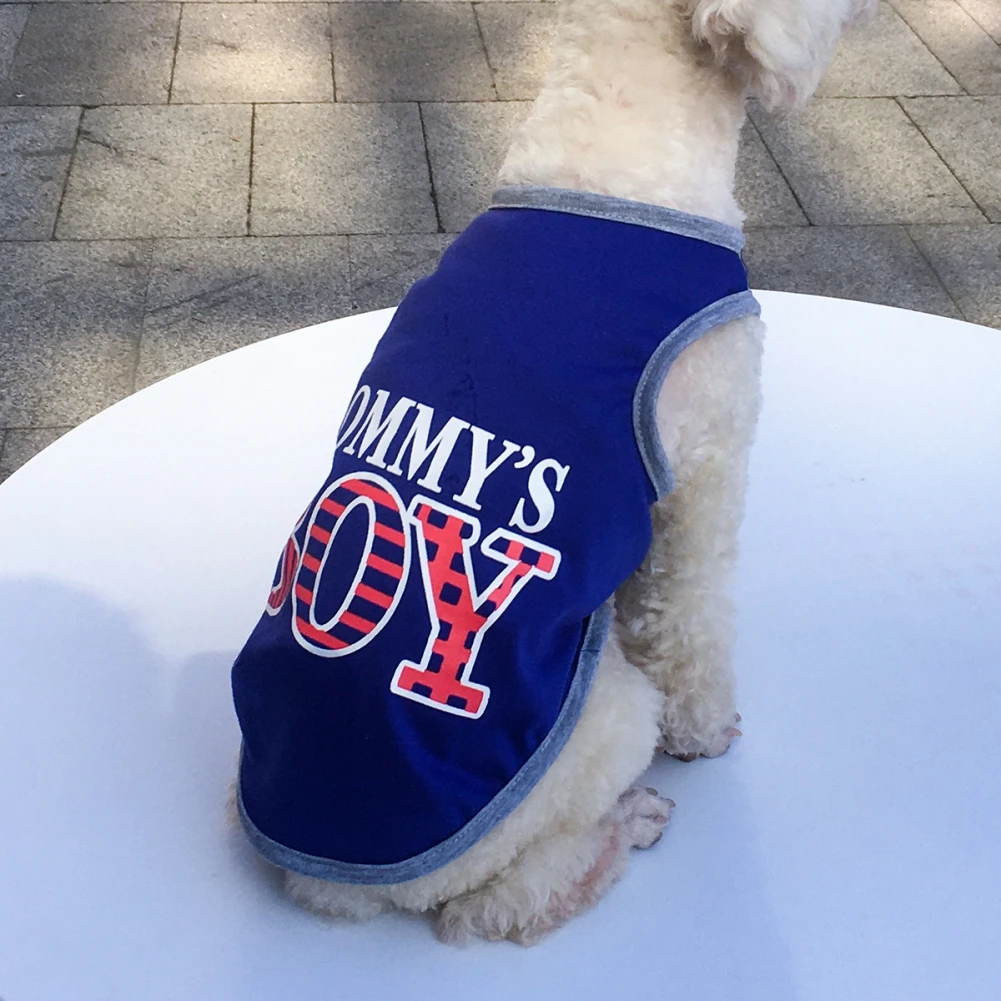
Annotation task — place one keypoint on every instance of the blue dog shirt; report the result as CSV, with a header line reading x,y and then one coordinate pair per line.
x,y
439,609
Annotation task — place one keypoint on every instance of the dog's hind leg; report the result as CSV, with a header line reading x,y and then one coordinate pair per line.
x,y
558,876
675,615
569,840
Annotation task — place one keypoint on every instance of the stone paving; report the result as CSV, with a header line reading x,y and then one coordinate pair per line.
x,y
181,179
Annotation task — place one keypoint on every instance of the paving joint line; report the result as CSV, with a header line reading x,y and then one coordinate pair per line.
x,y
761,227
427,158
330,235
928,49
782,174
330,44
325,235
931,267
173,63
250,176
311,104
66,181
874,97
942,159
311,3
486,51
41,427
973,17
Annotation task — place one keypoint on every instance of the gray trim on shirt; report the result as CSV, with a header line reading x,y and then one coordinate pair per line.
x,y
489,817
648,388
586,203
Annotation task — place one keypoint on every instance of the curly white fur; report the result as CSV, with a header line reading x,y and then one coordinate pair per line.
x,y
779,49
610,746
643,100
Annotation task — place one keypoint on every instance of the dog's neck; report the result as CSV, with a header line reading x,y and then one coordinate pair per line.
x,y
632,107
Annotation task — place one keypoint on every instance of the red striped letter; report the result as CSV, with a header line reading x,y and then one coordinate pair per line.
x,y
288,565
381,573
459,616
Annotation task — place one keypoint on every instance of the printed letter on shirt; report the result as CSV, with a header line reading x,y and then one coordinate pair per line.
x,y
380,575
460,616
542,496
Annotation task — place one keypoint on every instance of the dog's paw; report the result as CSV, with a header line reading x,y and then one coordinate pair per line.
x,y
493,913
455,926
643,815
690,748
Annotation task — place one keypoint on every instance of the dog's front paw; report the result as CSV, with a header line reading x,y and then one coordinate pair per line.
x,y
691,747
500,910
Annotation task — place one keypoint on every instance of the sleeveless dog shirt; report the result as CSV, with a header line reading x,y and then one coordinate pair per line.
x,y
439,609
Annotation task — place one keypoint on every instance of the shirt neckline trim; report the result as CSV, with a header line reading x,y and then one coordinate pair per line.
x,y
596,206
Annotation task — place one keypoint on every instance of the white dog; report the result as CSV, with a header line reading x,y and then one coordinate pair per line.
x,y
644,101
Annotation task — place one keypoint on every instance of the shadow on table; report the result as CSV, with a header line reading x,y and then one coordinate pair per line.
x,y
116,844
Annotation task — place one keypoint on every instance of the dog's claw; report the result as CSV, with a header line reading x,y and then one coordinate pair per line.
x,y
712,749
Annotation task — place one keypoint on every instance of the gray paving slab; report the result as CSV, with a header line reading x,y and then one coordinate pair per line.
x,y
883,58
17,446
762,192
12,21
207,297
968,261
467,143
408,52
518,37
963,47
159,171
342,168
384,267
869,263
863,161
85,53
36,145
966,134
70,316
987,13
253,52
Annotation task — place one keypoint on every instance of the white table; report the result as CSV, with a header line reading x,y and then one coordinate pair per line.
x,y
849,846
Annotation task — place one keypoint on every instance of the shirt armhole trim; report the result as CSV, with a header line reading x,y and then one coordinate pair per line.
x,y
655,461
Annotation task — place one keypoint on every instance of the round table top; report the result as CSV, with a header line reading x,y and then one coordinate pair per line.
x,y
849,845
